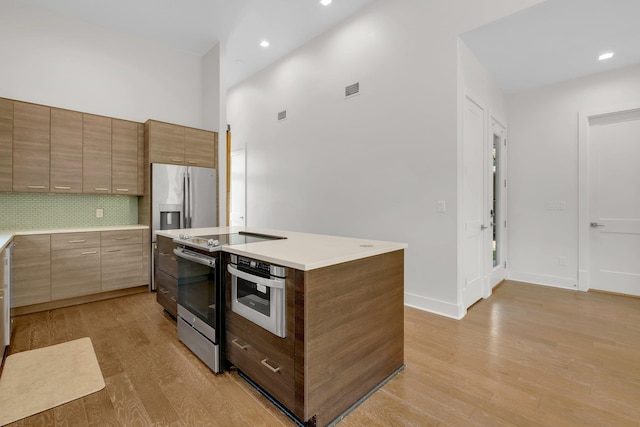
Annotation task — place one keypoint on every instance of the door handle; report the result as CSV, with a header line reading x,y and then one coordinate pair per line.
x,y
596,225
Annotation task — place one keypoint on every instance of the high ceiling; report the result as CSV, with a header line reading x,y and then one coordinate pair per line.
x,y
198,25
558,40
553,41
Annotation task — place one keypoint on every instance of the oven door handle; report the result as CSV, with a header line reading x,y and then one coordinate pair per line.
x,y
270,283
209,262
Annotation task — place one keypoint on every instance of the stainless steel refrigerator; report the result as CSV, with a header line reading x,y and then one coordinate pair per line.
x,y
181,197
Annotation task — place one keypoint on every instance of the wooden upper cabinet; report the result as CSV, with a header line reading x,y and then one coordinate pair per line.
x,y
66,151
6,144
96,154
200,148
166,143
31,126
124,157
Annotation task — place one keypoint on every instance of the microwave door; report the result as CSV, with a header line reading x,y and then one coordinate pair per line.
x,y
202,197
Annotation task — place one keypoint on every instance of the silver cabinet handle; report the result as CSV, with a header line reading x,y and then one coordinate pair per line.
x,y
113,250
177,160
270,283
239,344
36,187
123,238
59,187
191,162
268,365
163,291
174,299
100,189
122,189
77,241
90,253
596,225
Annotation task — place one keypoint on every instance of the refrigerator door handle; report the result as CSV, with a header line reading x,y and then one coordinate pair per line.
x,y
184,200
189,200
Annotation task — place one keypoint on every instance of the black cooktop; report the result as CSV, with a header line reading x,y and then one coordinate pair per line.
x,y
240,238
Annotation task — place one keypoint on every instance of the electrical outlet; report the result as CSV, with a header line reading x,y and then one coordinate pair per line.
x,y
442,207
99,213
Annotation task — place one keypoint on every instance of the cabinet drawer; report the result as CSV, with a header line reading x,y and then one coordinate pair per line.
x,y
75,272
74,240
167,294
121,267
167,261
121,237
271,370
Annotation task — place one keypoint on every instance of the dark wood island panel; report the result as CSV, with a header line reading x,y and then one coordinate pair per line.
x,y
352,315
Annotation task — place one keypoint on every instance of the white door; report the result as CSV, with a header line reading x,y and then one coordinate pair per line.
x,y
473,199
614,202
238,187
497,200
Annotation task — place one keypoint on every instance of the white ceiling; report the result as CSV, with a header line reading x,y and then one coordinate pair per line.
x,y
198,25
558,40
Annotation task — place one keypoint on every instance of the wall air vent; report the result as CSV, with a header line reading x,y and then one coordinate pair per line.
x,y
282,115
352,90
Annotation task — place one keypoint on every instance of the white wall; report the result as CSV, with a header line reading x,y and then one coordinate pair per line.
x,y
49,59
374,165
543,166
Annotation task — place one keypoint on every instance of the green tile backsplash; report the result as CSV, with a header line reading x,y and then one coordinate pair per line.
x,y
20,211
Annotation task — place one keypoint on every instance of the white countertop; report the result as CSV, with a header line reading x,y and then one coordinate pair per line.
x,y
302,251
7,235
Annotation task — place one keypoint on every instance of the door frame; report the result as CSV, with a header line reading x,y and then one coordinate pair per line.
x,y
500,272
242,149
584,187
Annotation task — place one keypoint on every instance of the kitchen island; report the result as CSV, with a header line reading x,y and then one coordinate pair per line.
x,y
344,321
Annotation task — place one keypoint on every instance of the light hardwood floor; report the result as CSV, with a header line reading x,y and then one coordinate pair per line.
x,y
528,356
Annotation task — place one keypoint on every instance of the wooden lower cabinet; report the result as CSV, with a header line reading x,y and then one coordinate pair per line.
x,y
31,270
75,272
345,336
166,273
122,259
68,265
167,292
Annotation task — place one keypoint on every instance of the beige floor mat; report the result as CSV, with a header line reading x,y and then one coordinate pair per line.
x,y
36,380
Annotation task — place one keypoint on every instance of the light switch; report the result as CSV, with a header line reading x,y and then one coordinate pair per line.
x,y
442,207
99,213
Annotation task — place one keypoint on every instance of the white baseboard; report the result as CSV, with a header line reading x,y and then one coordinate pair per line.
x,y
434,306
541,279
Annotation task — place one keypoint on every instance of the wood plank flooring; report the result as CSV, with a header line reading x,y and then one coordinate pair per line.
x,y
528,356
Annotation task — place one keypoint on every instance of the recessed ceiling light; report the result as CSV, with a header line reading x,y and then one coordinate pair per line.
x,y
325,2
604,56
264,43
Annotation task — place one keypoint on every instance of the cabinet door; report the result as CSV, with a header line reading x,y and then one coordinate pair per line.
x,y
124,157
166,143
66,151
200,148
31,270
121,267
31,125
6,144
96,154
75,272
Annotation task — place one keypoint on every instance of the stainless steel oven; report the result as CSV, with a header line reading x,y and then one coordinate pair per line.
x,y
258,293
200,314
